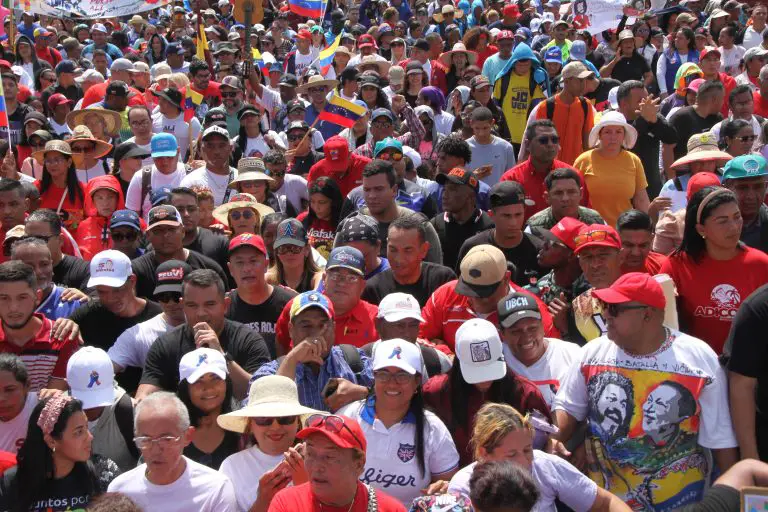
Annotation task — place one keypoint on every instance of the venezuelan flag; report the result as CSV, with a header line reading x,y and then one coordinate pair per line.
x,y
308,8
192,100
325,59
259,61
3,109
341,112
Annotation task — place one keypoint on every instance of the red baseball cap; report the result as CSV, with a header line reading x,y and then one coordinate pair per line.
x,y
249,240
511,10
342,431
336,151
366,40
634,287
596,235
505,34
58,99
700,180
707,50
304,34
566,230
5,63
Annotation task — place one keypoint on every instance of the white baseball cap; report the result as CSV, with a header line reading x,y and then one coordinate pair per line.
x,y
90,75
399,354
91,377
479,350
399,306
197,363
110,268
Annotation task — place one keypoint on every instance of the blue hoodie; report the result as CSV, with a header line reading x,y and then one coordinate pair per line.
x,y
472,21
523,52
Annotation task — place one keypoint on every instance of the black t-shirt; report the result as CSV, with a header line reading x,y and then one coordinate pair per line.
x,y
524,256
161,369
432,277
145,268
452,234
229,445
212,245
632,68
687,122
302,164
100,328
72,272
261,318
600,94
719,498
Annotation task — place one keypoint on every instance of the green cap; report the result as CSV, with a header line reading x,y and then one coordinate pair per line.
x,y
389,142
745,166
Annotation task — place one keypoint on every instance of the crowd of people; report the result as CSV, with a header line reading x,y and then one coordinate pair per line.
x,y
414,255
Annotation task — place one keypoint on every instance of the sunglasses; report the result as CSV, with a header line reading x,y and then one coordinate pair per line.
x,y
293,249
316,89
83,149
747,138
283,420
615,310
168,297
228,94
331,423
592,236
395,157
247,214
128,237
294,138
544,139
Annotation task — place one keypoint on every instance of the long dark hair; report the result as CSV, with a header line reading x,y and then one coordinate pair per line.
x,y
330,189
73,184
195,414
504,391
35,470
693,244
729,129
416,408
689,35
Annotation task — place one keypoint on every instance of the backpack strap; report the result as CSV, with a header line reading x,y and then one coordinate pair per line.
x,y
124,417
352,357
146,185
431,360
550,108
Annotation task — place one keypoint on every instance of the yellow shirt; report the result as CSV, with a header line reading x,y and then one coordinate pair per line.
x,y
515,101
611,182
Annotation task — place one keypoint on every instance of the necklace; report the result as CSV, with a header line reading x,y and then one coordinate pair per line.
x,y
322,505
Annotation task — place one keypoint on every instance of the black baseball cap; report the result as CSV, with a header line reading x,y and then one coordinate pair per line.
x,y
359,228
505,193
288,80
129,150
517,306
294,105
170,276
118,88
459,176
214,116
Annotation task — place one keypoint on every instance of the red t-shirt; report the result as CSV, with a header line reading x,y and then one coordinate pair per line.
x,y
98,92
446,310
320,234
482,56
50,55
711,291
213,91
761,105
356,328
72,212
301,498
652,265
534,186
352,179
730,84
43,356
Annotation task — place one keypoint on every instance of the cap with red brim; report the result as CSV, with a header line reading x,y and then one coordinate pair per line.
x,y
634,287
350,437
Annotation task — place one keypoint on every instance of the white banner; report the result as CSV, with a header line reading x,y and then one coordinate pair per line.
x,y
90,8
599,15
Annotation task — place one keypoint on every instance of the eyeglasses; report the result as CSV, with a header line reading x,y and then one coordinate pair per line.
x,y
337,277
381,126
283,420
544,139
128,237
295,137
37,144
316,89
168,297
145,442
143,122
83,148
615,310
228,94
396,157
399,377
747,138
247,214
331,423
285,249
592,236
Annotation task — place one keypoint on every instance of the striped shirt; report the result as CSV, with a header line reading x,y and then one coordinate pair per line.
x,y
43,356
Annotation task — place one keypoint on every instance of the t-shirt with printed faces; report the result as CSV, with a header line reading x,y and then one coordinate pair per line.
x,y
261,318
391,463
550,370
131,347
650,418
588,316
14,431
218,183
711,291
244,469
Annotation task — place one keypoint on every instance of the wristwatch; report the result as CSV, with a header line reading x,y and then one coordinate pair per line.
x,y
228,358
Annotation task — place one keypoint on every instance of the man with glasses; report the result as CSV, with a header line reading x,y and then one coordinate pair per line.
x,y
289,188
745,176
65,84
320,367
217,173
68,271
163,430
125,232
166,170
140,122
131,347
742,104
644,373
196,238
231,90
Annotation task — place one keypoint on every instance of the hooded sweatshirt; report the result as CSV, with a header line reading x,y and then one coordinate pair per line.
x,y
518,94
92,234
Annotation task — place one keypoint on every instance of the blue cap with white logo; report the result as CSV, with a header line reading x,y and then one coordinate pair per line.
x,y
163,145
128,218
346,257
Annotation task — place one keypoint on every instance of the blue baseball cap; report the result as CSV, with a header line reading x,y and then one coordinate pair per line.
x,y
379,112
745,166
311,299
578,50
163,144
127,218
389,142
160,196
553,54
346,257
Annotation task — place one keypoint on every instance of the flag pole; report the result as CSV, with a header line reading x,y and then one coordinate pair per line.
x,y
11,29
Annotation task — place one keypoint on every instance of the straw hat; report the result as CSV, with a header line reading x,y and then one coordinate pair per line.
x,y
702,146
445,57
371,60
250,176
58,146
273,396
316,81
112,121
614,119
241,200
81,132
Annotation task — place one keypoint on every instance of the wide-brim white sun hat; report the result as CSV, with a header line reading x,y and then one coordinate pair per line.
x,y
614,119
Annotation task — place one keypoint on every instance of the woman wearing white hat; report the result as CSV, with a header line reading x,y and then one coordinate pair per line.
x,y
614,176
271,419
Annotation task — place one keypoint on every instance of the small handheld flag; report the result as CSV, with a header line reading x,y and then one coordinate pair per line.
x,y
192,100
325,59
308,8
3,109
202,43
259,61
341,112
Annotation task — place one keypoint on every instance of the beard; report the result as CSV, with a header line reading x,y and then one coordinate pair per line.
x,y
17,325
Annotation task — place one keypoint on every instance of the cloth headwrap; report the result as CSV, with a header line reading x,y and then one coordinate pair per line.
x,y
51,412
710,197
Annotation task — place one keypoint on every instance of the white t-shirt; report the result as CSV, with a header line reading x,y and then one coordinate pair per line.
x,y
270,100
649,417
199,488
59,129
730,59
556,479
178,128
391,464
157,180
84,175
131,347
258,147
245,468
549,371
317,140
13,433
294,190
218,183
303,61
